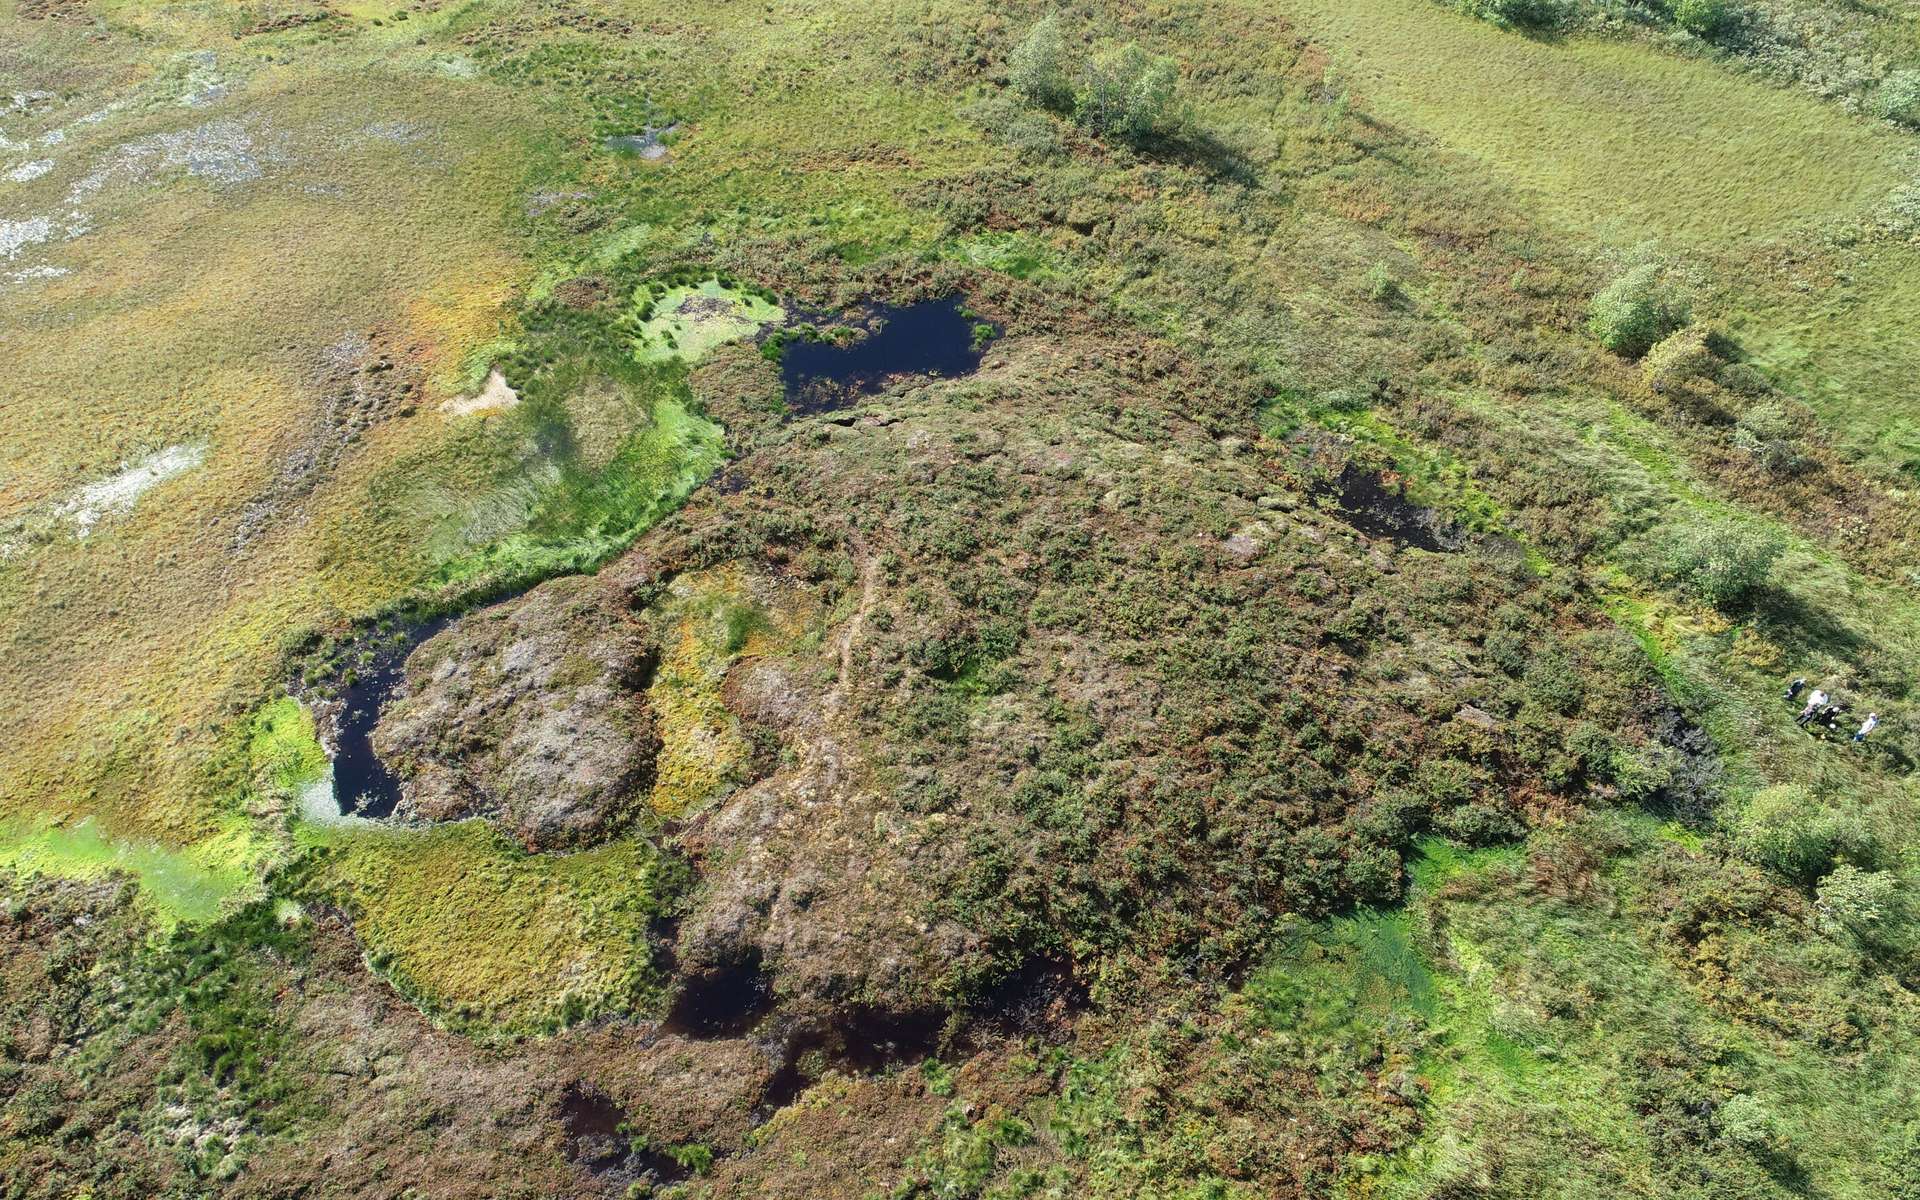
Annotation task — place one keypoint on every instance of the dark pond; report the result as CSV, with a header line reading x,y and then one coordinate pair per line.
x,y
724,1002
933,337
858,1041
600,1139
1365,503
362,785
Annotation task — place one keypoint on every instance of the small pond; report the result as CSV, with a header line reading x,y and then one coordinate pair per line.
x,y
362,785
934,337
1365,503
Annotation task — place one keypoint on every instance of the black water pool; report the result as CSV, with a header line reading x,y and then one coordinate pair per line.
x,y
362,785
1367,506
934,337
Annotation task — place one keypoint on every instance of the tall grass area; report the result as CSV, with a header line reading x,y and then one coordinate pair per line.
x,y
1612,140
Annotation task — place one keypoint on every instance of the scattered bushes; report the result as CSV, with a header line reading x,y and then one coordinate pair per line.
x,y
1649,300
1722,563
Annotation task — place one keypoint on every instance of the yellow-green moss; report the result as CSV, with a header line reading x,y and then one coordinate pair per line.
x,y
488,938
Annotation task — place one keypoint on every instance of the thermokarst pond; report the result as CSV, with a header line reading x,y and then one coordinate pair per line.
x,y
933,337
362,785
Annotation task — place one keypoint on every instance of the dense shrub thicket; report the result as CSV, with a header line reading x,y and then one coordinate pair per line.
x,y
1122,92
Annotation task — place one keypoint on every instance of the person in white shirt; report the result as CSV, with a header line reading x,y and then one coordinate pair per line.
x,y
1813,706
1867,726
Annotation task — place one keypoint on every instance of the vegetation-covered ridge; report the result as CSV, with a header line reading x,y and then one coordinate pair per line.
x,y
1293,707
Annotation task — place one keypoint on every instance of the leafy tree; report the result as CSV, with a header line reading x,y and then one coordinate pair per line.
x,y
1649,300
1722,563
1900,97
1037,71
1126,93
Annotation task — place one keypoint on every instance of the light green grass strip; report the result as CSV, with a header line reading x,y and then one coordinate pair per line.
x,y
189,885
1613,138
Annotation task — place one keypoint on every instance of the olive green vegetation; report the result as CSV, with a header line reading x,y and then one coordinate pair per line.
x,y
490,939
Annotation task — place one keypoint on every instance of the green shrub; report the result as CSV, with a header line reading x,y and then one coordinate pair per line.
x,y
1899,98
1036,70
1791,833
1858,900
1519,14
1643,304
1747,1121
1766,432
1702,18
1126,93
1722,563
1382,287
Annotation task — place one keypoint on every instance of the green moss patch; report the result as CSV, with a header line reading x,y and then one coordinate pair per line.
x,y
686,323
490,939
191,884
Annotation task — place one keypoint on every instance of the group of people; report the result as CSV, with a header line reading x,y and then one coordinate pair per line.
x,y
1824,712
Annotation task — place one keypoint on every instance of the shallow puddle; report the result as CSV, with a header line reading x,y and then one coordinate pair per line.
x,y
647,143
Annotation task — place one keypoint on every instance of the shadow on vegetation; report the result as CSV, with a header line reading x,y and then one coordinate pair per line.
x,y
1802,629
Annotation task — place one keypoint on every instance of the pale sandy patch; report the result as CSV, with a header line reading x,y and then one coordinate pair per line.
x,y
495,396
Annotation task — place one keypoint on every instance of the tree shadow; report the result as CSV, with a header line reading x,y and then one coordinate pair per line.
x,y
1803,629
1200,149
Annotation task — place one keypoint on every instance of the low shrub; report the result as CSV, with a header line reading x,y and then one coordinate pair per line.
x,y
1641,306
1721,563
1899,98
1679,359
1767,433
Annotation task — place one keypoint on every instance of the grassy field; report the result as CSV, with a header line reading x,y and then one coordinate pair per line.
x,y
1612,141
